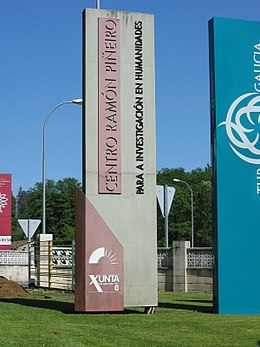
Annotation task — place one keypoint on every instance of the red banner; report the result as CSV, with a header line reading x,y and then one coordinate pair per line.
x,y
5,211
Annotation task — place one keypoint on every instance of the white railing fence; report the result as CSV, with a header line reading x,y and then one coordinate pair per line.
x,y
164,258
53,266
13,258
199,258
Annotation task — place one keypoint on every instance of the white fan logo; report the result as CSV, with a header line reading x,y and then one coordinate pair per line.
x,y
243,126
103,252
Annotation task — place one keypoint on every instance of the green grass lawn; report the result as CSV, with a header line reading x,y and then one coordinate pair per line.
x,y
182,319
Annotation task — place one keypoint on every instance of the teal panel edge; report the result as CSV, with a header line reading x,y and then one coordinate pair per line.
x,y
234,47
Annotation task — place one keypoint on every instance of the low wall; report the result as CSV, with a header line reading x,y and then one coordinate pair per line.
x,y
180,269
165,283
16,273
199,280
192,268
14,266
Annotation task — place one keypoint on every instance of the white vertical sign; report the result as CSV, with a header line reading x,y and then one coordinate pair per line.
x,y
170,196
165,197
24,225
120,55
160,197
160,193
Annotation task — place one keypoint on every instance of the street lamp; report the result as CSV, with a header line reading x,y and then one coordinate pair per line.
x,y
75,101
192,209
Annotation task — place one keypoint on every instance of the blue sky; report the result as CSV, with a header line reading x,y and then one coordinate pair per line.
x,y
41,67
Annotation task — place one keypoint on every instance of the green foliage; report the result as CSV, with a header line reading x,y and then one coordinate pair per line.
x,y
180,214
17,233
60,208
66,235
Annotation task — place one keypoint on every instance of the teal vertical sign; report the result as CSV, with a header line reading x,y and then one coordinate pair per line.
x,y
235,120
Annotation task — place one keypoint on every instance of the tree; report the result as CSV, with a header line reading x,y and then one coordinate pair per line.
x,y
180,214
17,233
60,207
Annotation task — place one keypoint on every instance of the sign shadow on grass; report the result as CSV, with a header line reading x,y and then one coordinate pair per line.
x,y
200,307
62,306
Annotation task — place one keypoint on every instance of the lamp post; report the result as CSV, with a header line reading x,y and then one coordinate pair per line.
x,y
192,209
75,101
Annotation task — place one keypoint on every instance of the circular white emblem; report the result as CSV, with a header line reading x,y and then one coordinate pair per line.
x,y
3,202
243,126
